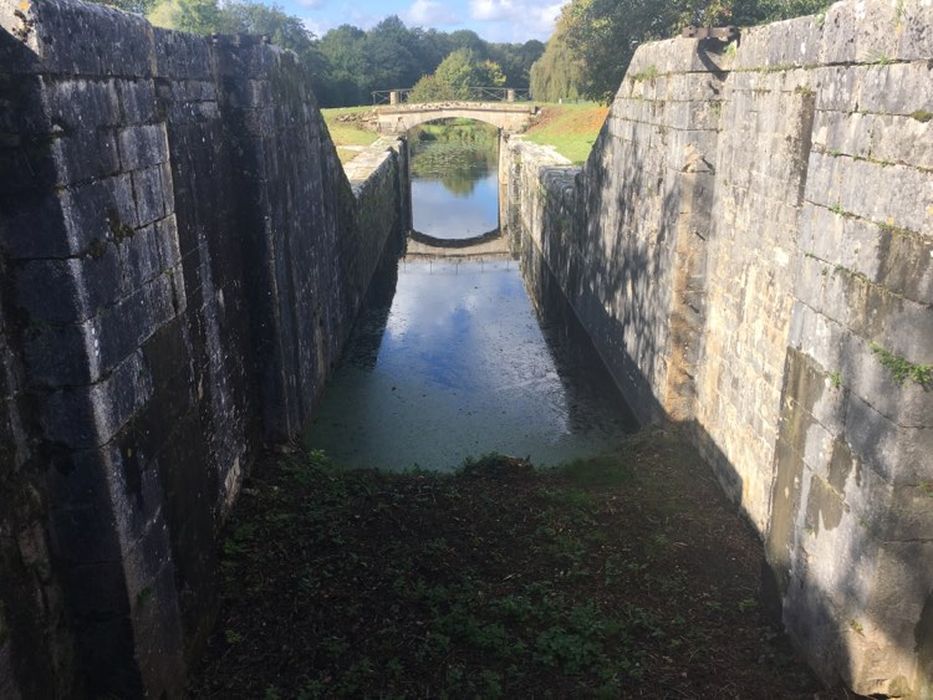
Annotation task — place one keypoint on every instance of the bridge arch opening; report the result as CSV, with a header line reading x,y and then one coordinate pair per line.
x,y
454,166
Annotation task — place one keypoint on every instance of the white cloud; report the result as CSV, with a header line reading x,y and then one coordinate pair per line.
x,y
311,4
315,26
431,13
524,17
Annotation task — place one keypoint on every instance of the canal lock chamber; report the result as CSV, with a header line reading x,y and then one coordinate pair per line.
x,y
465,344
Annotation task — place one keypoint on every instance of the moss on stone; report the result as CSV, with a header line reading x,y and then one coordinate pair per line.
x,y
649,73
902,369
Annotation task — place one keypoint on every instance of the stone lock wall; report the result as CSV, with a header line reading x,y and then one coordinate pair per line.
x,y
750,246
182,257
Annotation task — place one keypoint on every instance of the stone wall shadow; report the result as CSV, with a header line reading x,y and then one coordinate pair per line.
x,y
362,348
617,264
37,648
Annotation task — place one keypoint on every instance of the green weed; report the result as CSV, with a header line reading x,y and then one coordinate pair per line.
x,y
902,369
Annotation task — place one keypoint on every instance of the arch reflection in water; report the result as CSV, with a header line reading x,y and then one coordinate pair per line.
x,y
458,363
454,179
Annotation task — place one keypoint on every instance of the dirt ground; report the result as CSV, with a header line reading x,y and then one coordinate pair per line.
x,y
628,575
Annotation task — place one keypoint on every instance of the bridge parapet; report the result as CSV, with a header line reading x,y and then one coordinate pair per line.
x,y
511,117
471,94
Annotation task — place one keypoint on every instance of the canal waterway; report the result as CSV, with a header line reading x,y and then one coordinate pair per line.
x,y
451,358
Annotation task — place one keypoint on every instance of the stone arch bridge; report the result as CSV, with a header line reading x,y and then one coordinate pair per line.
x,y
508,116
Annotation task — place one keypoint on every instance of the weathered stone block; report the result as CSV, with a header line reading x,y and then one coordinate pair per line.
x,y
142,146
167,238
780,45
123,328
83,353
900,455
678,55
837,88
69,290
888,138
181,55
58,356
870,32
137,101
898,88
899,196
85,155
90,416
90,213
76,104
895,619
149,192
26,164
907,404
127,37
913,22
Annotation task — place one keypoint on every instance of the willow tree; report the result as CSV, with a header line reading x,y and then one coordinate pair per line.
x,y
558,74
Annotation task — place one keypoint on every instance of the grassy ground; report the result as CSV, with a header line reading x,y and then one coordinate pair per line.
x,y
348,131
570,128
627,575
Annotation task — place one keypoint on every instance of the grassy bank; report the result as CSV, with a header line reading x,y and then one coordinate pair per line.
x,y
349,130
627,575
569,128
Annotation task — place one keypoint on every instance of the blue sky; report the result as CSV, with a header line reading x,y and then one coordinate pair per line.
x,y
494,20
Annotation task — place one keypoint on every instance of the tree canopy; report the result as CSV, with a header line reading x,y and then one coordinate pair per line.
x,y
558,74
456,74
348,63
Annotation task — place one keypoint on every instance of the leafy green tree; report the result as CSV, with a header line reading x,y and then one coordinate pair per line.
x,y
246,17
140,7
455,76
457,71
467,39
196,16
604,34
344,48
391,51
516,60
430,89
284,30
558,74
348,63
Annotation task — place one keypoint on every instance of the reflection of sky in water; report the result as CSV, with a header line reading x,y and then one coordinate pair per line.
x,y
463,369
439,212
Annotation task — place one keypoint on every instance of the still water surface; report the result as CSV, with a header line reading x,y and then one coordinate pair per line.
x,y
455,188
451,359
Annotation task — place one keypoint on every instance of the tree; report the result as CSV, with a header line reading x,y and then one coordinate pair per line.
x,y
455,76
196,16
390,49
284,30
140,7
516,60
430,89
604,34
457,71
246,17
348,63
344,49
558,74
467,39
